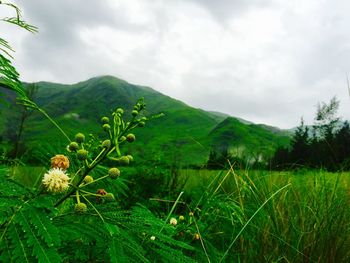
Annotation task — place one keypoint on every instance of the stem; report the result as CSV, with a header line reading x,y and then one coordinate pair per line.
x,y
171,211
94,181
83,174
54,123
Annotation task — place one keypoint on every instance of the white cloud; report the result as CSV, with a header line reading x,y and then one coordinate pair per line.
x,y
267,61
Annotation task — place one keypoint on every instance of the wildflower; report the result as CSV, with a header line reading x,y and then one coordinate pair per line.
x,y
173,221
60,161
56,180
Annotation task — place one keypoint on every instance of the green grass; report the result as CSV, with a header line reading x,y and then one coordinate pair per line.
x,y
251,216
277,216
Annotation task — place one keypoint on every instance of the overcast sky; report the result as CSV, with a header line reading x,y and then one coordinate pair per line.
x,y
267,61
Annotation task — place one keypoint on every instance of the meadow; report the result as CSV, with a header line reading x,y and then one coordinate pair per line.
x,y
242,215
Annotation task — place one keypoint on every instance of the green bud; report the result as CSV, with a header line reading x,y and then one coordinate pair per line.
x,y
80,208
88,179
130,137
124,160
79,137
114,173
73,146
181,218
105,120
106,144
82,154
109,197
121,139
141,124
106,127
134,113
143,119
131,159
120,111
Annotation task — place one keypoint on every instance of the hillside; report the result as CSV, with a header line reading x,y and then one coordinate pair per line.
x,y
247,139
184,134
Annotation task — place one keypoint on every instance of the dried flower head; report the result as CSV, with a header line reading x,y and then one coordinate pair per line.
x,y
173,221
56,180
60,161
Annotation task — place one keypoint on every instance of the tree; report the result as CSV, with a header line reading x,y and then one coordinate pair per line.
x,y
300,144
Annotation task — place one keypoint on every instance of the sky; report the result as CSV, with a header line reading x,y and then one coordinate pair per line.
x,y
267,61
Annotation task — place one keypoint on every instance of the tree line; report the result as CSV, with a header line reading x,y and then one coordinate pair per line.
x,y
325,144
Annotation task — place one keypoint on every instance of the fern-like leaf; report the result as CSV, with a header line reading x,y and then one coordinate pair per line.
x,y
41,250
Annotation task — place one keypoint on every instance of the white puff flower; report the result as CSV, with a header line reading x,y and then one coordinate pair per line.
x,y
56,180
173,221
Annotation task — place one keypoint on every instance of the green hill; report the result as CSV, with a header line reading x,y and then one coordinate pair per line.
x,y
247,139
183,135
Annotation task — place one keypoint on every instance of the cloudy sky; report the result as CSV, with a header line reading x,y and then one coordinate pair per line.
x,y
267,61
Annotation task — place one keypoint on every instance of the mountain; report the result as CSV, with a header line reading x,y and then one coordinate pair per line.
x,y
184,135
250,139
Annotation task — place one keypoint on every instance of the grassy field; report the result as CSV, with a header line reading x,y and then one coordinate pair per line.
x,y
252,216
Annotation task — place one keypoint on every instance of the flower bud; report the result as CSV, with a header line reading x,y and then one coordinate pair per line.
x,y
124,160
73,146
141,124
79,137
120,111
153,238
109,197
121,139
134,113
131,159
130,137
60,161
88,179
105,120
173,221
106,144
191,214
82,154
114,173
80,208
196,236
181,218
106,127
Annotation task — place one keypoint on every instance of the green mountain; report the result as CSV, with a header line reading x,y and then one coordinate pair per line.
x,y
254,140
184,135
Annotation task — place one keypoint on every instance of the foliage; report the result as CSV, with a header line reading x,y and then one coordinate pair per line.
x,y
325,145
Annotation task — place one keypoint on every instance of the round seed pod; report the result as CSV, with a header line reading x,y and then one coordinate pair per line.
x,y
114,173
79,137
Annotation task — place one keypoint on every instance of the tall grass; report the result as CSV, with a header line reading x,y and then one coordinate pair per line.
x,y
261,216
